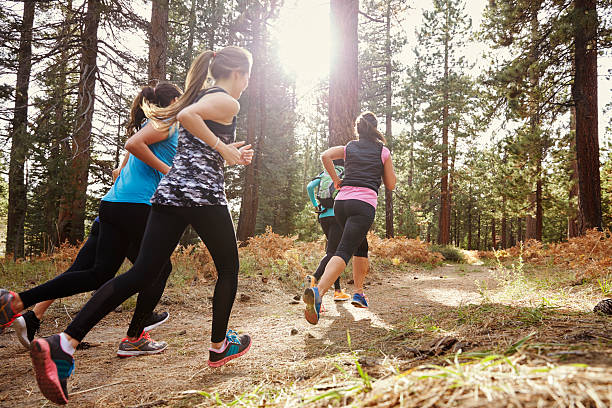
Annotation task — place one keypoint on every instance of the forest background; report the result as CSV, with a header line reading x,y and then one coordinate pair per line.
x,y
477,102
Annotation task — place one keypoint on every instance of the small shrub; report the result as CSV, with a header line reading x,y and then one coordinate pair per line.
x,y
449,252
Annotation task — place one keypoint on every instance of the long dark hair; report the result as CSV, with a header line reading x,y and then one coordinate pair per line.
x,y
217,65
366,128
162,96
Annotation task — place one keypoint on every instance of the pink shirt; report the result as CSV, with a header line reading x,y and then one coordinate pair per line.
x,y
362,193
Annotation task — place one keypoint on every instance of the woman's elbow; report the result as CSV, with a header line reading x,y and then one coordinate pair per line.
x,y
129,145
181,115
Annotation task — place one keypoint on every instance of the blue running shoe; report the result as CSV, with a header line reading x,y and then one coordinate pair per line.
x,y
53,366
313,304
234,347
359,300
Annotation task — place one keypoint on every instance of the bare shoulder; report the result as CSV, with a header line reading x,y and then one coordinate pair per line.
x,y
221,101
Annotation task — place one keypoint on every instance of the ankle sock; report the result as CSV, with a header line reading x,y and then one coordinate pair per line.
x,y
65,344
220,349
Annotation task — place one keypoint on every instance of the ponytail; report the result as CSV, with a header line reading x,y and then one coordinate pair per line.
x,y
162,95
137,115
366,128
214,64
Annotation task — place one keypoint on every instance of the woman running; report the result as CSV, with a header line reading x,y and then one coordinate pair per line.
x,y
332,231
123,215
366,161
193,192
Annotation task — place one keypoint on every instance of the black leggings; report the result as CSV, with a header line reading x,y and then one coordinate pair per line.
x,y
333,232
166,224
355,217
122,226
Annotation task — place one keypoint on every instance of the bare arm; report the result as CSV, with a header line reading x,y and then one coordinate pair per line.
x,y
221,108
138,145
389,174
328,157
117,171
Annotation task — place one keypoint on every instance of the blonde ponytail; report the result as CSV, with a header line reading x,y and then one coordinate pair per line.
x,y
216,64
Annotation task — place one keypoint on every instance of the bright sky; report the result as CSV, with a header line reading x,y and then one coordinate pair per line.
x,y
303,34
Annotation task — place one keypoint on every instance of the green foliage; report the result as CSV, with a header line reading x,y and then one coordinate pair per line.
x,y
449,252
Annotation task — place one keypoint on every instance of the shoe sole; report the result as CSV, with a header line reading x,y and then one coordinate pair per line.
x,y
229,358
359,305
10,321
310,312
341,300
125,353
21,330
46,372
154,325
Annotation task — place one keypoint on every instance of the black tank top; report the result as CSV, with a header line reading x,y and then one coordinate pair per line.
x,y
363,166
196,177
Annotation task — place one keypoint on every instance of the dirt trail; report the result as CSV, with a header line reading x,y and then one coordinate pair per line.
x,y
263,310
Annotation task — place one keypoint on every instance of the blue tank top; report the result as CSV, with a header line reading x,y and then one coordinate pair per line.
x,y
138,181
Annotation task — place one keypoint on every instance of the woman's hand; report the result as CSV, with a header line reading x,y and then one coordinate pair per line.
x,y
116,173
230,152
337,183
246,155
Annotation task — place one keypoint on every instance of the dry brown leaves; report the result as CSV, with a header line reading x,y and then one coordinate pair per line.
x,y
590,255
403,249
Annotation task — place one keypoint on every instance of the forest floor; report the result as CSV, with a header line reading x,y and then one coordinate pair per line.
x,y
476,335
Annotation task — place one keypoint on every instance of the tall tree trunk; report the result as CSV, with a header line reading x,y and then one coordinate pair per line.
x,y
19,138
573,229
444,219
390,233
158,41
344,75
504,232
255,134
191,35
493,236
519,229
534,224
584,92
470,219
479,228
59,154
72,211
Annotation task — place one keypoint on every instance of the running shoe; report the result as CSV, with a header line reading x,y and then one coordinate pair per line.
x,y
143,345
313,304
53,367
341,295
155,319
234,347
359,300
7,314
26,327
310,281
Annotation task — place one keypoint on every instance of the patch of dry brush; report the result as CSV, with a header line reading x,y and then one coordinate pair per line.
x,y
589,256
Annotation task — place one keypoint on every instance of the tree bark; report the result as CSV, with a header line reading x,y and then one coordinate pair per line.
x,y
573,228
255,134
444,219
584,92
504,232
343,76
158,41
191,35
493,237
390,233
72,211
470,219
17,204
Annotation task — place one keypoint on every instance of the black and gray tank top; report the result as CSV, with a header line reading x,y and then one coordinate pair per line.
x,y
196,177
